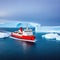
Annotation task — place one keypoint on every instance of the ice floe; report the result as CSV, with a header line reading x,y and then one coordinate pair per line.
x,y
58,38
3,34
51,36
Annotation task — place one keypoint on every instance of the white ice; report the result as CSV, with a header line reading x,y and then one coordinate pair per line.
x,y
3,34
50,36
58,38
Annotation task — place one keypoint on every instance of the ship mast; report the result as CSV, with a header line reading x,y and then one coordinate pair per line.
x,y
27,27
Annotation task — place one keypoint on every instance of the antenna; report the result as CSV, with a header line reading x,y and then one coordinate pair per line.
x,y
27,27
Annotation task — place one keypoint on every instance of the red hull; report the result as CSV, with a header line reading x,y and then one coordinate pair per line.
x,y
24,37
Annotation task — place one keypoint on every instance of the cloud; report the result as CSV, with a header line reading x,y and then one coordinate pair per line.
x,y
20,8
2,23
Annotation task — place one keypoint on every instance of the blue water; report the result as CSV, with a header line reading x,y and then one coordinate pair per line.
x,y
42,49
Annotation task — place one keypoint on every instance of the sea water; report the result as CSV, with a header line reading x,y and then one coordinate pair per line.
x,y
42,49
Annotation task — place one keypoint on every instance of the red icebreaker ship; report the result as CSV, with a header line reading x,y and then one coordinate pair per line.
x,y
24,35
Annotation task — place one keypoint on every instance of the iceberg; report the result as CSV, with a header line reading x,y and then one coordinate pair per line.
x,y
30,25
50,36
4,35
58,38
18,24
47,29
37,26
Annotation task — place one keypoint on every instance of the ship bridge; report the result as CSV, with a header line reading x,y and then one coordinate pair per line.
x,y
34,26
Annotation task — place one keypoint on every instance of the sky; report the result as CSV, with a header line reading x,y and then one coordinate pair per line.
x,y
45,12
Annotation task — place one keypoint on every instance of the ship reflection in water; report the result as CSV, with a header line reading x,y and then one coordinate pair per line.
x,y
26,46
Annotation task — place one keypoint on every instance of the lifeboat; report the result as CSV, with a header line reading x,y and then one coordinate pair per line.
x,y
24,35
